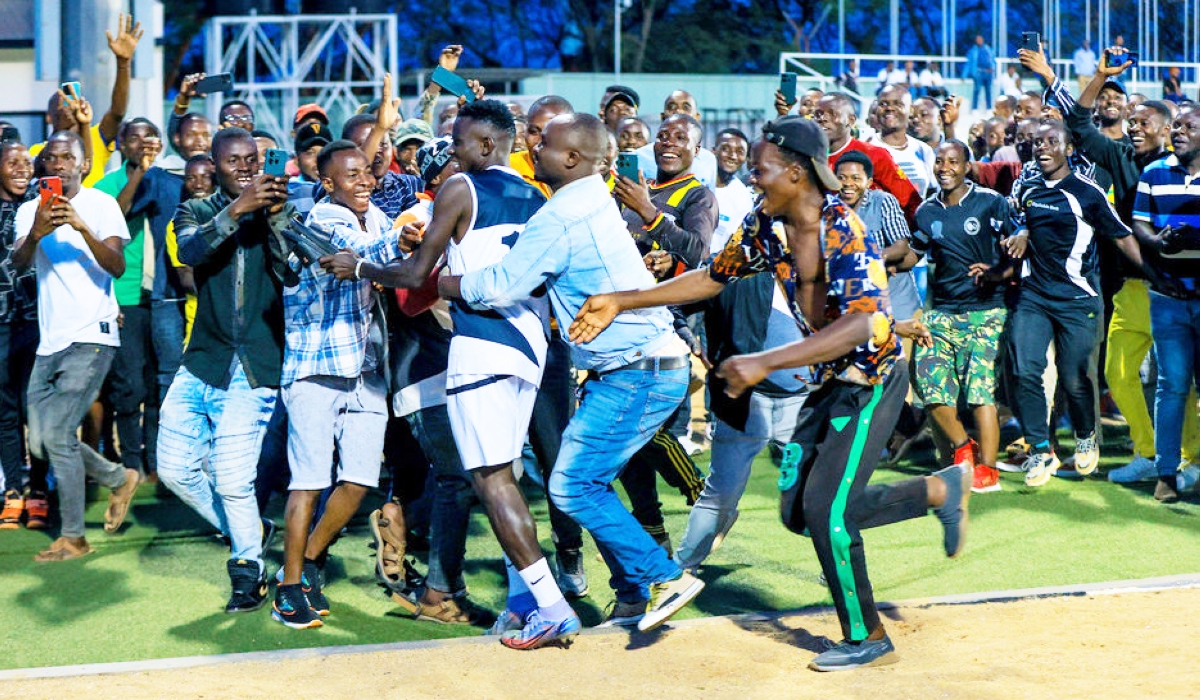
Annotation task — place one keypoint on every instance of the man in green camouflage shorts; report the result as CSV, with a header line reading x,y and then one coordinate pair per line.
x,y
965,231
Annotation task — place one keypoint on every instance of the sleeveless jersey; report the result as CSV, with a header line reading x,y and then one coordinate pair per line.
x,y
509,340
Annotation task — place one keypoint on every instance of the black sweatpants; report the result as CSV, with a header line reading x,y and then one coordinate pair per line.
x,y
1073,326
841,433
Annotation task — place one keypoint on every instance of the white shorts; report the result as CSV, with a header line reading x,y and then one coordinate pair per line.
x,y
329,412
489,416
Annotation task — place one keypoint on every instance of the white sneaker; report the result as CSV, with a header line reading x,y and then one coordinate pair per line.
x,y
1140,469
1187,477
1087,454
1039,467
692,448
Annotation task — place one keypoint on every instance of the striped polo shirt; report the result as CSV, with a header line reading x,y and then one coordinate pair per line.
x,y
1168,195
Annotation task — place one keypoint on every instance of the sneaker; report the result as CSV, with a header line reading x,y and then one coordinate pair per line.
x,y
668,598
953,511
311,580
620,614
1039,467
1140,469
690,446
37,510
14,506
539,633
506,621
848,655
571,578
292,609
664,540
1087,454
1017,457
1186,478
986,479
249,588
1165,491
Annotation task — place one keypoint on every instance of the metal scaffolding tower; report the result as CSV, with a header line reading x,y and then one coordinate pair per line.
x,y
280,62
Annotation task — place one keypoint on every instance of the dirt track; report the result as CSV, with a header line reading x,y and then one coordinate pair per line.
x,y
1130,645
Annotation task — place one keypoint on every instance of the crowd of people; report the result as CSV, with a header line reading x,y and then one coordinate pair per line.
x,y
442,298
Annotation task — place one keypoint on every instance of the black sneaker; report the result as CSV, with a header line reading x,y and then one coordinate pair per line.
x,y
848,655
248,585
571,578
311,580
624,614
292,609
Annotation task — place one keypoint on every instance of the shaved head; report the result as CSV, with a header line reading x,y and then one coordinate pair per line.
x,y
573,146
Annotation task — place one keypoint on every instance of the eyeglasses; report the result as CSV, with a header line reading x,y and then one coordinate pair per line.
x,y
237,118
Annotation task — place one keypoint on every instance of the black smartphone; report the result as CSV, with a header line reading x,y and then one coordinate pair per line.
x,y
217,82
627,165
1031,41
276,165
9,133
452,83
787,85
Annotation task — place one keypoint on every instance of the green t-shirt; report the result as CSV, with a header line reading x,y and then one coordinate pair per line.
x,y
128,287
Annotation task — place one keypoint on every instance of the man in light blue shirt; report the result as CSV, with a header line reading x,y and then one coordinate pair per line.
x,y
981,68
1085,64
577,245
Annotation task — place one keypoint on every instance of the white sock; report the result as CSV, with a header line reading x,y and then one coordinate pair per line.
x,y
545,590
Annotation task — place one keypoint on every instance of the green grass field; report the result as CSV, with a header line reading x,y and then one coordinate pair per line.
x,y
157,589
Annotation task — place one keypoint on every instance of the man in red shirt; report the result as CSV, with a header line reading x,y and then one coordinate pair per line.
x,y
835,115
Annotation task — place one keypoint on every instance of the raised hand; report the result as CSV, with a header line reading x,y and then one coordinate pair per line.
x,y
128,35
450,56
389,107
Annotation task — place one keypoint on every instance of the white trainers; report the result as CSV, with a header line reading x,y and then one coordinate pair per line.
x,y
668,598
1039,467
1087,454
1140,469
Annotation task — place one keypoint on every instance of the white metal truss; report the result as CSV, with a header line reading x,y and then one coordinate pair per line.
x,y
280,62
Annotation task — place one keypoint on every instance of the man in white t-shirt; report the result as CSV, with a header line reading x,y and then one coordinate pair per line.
x,y
914,157
76,241
734,199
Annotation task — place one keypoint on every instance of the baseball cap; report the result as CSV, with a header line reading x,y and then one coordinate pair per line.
x,y
803,137
433,156
312,109
1114,84
413,130
620,92
312,134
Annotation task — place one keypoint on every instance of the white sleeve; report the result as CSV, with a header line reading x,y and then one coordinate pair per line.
x,y
24,221
111,219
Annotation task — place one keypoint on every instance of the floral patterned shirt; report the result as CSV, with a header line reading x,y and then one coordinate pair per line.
x,y
856,282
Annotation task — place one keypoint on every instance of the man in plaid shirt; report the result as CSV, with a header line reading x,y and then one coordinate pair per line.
x,y
333,380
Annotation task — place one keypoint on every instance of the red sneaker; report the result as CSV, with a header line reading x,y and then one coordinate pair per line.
x,y
965,454
37,511
987,479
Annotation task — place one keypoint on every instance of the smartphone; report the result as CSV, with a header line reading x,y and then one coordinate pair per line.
x,y
49,187
1031,41
276,165
1116,61
787,85
217,82
452,83
9,133
627,165
72,89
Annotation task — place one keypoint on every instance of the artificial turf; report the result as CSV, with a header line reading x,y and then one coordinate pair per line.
x,y
157,588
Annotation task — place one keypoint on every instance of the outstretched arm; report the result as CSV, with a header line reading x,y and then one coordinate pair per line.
x,y
123,47
599,311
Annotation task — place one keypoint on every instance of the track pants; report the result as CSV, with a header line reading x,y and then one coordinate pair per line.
x,y
841,433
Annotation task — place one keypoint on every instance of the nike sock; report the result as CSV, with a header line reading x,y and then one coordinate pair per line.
x,y
520,598
545,590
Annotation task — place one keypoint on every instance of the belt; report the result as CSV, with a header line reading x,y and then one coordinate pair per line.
x,y
654,363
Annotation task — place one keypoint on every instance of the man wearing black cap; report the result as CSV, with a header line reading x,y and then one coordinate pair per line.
x,y
618,103
310,139
835,276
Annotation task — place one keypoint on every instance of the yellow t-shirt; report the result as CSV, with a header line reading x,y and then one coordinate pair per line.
x,y
189,304
523,163
100,153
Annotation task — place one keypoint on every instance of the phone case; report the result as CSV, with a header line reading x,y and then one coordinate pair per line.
x,y
452,83
627,166
787,85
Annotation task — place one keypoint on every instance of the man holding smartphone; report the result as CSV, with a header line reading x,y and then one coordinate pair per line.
x,y
215,415
75,240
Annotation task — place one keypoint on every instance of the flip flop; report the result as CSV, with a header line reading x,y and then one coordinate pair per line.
x,y
119,500
62,550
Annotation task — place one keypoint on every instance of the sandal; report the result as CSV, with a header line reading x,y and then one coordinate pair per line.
x,y
62,550
119,500
389,550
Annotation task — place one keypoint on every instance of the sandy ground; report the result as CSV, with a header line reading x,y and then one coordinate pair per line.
x,y
1128,645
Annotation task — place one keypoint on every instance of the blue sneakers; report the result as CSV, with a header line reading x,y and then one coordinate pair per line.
x,y
539,633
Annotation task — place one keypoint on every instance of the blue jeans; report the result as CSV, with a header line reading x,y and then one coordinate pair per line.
x,y
618,413
1175,325
983,86
771,419
225,428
